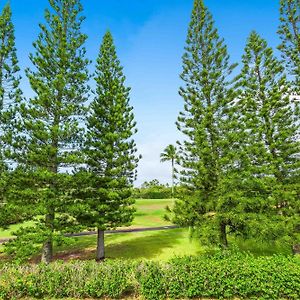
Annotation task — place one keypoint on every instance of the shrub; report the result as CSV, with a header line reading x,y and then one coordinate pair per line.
x,y
219,276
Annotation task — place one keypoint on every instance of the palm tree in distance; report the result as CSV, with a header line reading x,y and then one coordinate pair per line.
x,y
170,154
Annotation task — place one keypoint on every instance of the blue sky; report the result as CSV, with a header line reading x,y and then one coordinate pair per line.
x,y
150,36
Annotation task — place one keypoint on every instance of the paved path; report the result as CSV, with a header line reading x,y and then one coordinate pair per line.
x,y
2,241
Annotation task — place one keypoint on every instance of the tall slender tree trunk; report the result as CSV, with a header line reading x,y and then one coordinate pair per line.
x,y
223,235
100,254
173,175
47,251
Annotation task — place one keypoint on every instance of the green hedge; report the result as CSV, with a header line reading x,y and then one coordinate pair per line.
x,y
222,276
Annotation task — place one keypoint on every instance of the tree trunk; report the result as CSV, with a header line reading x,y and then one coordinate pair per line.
x,y
100,245
296,249
173,175
47,251
223,235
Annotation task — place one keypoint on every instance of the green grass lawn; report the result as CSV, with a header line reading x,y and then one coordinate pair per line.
x,y
9,232
154,245
149,214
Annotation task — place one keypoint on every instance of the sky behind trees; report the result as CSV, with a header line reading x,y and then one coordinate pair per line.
x,y
150,37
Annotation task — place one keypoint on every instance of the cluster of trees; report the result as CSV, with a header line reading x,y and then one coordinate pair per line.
x,y
69,166
153,189
240,158
65,165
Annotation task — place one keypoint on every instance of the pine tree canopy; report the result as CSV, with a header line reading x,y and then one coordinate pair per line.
x,y
9,79
68,157
104,186
207,96
268,168
49,130
10,96
289,32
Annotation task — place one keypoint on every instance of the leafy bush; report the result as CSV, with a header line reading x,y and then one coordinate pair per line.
x,y
220,276
151,279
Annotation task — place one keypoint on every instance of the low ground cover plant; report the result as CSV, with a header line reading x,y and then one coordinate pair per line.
x,y
221,276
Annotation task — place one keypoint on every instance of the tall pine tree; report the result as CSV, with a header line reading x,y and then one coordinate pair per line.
x,y
49,127
289,32
269,165
105,186
10,96
207,99
9,78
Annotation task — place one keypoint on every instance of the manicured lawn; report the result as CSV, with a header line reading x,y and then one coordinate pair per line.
x,y
149,214
261,248
9,232
154,245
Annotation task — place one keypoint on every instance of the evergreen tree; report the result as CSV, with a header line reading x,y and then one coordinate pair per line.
x,y
204,122
10,93
49,132
289,31
9,78
10,96
269,166
105,187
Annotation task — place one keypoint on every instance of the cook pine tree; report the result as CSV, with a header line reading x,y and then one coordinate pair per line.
x,y
10,96
269,165
104,187
204,122
9,69
289,32
49,130
10,93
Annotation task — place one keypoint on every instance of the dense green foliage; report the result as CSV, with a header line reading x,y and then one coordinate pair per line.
x,y
9,79
10,96
266,177
153,190
204,155
289,32
240,154
48,132
104,185
219,276
73,165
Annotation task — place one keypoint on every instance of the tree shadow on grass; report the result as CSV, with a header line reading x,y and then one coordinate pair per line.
x,y
261,248
144,247
139,214
124,246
